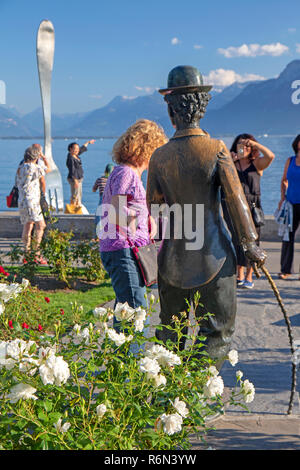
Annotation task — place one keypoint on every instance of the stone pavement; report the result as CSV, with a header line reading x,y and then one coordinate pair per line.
x,y
262,342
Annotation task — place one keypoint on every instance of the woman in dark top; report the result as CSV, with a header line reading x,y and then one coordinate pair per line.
x,y
245,152
75,175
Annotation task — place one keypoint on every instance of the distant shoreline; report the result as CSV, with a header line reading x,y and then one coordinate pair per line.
x,y
116,136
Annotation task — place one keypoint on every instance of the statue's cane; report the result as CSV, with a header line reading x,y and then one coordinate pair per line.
x,y
288,324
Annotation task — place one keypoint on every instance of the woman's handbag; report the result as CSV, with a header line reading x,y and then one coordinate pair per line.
x,y
44,206
12,199
146,257
257,215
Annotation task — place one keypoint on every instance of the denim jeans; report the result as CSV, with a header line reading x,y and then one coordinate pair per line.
x,y
126,280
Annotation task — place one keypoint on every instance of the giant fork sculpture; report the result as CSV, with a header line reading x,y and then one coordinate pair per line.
x,y
45,54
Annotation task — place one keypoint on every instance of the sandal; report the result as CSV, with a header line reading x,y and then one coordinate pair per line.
x,y
284,276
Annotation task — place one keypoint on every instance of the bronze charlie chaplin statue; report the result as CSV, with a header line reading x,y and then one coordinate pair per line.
x,y
191,170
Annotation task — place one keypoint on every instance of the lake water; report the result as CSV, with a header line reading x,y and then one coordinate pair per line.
x,y
99,154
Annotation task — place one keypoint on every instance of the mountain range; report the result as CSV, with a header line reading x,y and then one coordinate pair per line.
x,y
258,107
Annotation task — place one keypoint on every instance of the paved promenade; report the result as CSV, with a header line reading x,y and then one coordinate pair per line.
x,y
262,342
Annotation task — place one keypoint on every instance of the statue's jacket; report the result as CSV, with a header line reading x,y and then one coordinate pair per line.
x,y
191,169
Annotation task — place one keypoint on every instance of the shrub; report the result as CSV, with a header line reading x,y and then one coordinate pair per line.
x,y
88,254
99,388
57,250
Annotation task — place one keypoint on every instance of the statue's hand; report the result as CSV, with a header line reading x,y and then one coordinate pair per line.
x,y
255,253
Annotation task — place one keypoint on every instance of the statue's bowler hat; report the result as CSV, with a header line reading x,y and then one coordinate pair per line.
x,y
185,78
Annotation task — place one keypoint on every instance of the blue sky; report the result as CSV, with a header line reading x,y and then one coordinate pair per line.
x,y
108,48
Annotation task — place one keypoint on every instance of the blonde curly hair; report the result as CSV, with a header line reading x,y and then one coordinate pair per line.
x,y
138,143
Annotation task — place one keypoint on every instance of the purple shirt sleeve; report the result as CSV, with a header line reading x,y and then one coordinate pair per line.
x,y
124,183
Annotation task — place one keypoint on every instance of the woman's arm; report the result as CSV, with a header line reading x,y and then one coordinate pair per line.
x,y
268,156
89,142
96,185
84,147
47,164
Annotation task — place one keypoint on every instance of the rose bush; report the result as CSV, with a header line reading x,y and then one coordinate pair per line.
x,y
86,389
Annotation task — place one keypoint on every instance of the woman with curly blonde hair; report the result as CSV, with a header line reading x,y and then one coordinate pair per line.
x,y
125,219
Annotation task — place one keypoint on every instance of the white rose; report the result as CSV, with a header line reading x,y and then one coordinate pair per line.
x,y
2,351
139,319
171,423
61,371
54,371
21,392
77,329
8,363
233,357
159,379
117,338
101,410
61,428
248,391
180,407
239,374
149,366
214,386
101,312
124,312
213,371
85,335
46,374
2,308
10,291
80,336
17,349
163,356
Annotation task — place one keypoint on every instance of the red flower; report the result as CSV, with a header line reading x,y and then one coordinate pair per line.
x,y
47,299
62,311
25,326
2,271
10,324
40,327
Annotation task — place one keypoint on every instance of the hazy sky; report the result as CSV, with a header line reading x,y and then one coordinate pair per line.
x,y
127,47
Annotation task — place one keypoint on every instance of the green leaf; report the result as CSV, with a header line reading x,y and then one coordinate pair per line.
x,y
42,415
48,405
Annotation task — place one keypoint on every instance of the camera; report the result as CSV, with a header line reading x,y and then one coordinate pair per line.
x,y
240,151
